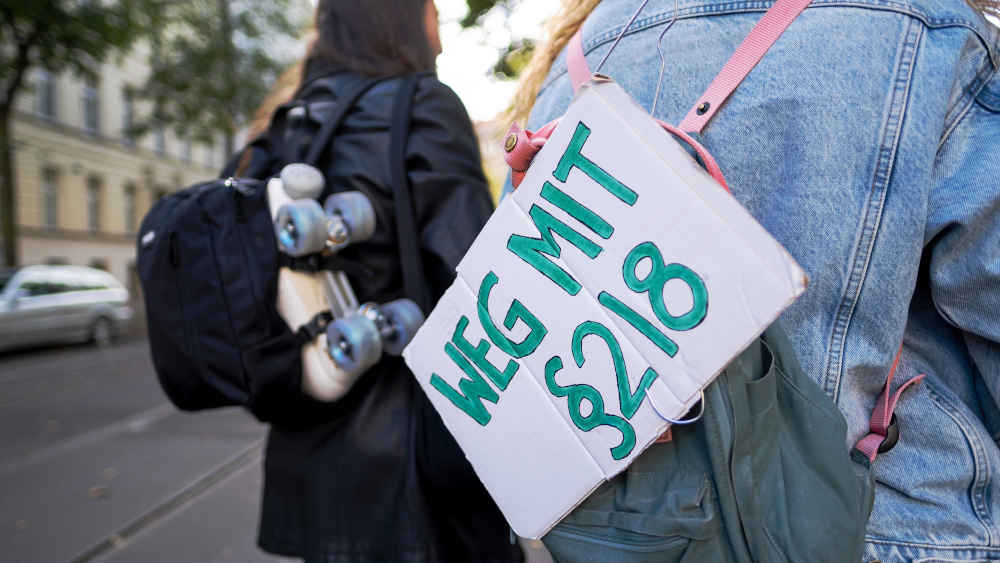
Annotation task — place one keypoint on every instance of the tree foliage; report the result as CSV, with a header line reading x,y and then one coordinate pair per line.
x,y
478,8
512,59
59,34
56,35
215,60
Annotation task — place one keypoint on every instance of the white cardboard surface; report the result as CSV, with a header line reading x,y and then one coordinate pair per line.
x,y
536,453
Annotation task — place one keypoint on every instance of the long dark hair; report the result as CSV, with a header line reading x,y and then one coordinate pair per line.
x,y
372,37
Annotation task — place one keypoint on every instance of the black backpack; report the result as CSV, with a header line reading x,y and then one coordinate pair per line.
x,y
208,263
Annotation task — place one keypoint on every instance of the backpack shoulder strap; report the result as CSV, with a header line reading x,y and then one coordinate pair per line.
x,y
407,234
266,153
322,139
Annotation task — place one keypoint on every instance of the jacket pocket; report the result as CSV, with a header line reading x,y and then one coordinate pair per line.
x,y
587,543
663,509
934,484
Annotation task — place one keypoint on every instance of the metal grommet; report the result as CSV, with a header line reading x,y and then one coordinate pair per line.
x,y
703,108
891,436
701,413
510,142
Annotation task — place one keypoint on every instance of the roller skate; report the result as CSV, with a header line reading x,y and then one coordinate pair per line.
x,y
352,337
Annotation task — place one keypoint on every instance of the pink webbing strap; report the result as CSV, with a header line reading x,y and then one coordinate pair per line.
x,y
707,159
579,74
747,55
521,145
576,61
882,415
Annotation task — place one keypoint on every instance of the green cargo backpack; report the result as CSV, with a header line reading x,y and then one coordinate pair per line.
x,y
763,476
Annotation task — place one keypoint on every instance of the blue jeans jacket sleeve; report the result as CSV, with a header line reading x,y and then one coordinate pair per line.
x,y
963,233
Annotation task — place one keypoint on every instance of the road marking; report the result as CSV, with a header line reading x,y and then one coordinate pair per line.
x,y
132,425
212,480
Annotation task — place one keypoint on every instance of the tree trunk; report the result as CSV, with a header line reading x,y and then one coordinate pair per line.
x,y
8,185
8,200
229,72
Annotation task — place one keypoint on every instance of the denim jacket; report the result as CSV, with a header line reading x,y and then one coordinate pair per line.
x,y
867,141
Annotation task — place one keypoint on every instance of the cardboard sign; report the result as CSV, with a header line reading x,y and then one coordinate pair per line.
x,y
596,304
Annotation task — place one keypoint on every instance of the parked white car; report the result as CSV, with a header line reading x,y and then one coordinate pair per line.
x,y
40,304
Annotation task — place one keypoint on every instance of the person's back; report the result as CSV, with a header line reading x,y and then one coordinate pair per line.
x,y
378,462
374,475
867,141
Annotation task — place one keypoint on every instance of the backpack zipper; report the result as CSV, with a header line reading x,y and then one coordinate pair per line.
x,y
233,185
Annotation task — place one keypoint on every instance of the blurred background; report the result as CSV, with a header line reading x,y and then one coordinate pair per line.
x,y
105,107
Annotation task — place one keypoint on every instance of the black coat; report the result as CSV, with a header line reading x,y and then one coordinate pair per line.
x,y
375,476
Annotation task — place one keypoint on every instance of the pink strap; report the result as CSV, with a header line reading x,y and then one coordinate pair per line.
x,y
882,415
707,159
747,55
770,27
576,61
521,145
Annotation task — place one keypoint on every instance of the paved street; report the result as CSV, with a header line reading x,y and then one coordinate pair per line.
x,y
95,465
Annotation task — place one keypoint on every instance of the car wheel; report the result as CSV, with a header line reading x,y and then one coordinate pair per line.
x,y
102,334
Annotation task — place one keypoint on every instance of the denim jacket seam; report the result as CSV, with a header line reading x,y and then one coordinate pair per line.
x,y
989,100
970,96
989,95
932,546
981,477
748,6
864,245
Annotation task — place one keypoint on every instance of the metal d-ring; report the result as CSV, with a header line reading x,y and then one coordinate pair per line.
x,y
701,412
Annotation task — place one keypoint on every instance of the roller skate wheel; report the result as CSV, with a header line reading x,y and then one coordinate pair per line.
x,y
300,227
356,211
354,343
403,318
302,181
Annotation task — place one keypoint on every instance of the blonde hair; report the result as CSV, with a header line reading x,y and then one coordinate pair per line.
x,y
987,7
560,29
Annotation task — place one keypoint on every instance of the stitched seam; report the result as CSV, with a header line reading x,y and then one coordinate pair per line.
x,y
969,98
725,480
641,24
865,244
988,98
974,549
977,490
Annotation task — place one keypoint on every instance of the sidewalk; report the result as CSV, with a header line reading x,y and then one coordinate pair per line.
x,y
95,465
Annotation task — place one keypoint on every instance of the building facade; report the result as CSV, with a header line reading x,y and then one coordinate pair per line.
x,y
83,183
